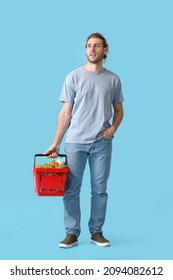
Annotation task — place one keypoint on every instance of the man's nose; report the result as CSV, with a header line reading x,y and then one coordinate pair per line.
x,y
92,48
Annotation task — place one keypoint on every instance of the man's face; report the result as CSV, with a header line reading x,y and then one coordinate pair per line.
x,y
95,50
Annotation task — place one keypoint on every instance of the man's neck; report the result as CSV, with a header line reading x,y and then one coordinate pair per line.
x,y
96,68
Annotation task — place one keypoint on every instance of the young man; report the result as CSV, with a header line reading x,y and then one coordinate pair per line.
x,y
89,94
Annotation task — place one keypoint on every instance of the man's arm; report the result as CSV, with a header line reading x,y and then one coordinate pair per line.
x,y
64,119
117,118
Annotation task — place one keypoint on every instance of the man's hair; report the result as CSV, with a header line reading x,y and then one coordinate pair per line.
x,y
100,36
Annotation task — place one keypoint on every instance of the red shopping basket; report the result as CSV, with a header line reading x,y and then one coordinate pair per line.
x,y
50,181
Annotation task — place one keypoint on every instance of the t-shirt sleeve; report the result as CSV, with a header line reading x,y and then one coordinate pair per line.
x,y
118,96
68,92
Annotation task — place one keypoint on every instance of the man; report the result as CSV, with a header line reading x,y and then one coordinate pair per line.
x,y
88,95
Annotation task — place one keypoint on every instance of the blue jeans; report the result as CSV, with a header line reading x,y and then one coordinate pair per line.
x,y
98,155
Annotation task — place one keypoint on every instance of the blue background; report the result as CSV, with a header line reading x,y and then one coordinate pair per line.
x,y
41,41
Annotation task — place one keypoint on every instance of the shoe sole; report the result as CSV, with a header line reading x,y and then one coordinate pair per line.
x,y
61,245
107,244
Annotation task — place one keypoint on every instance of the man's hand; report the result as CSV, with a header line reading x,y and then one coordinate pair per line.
x,y
107,133
53,151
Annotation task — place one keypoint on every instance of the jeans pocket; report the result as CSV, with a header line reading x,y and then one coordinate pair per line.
x,y
110,139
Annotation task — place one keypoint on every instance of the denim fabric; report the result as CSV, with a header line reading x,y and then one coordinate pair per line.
x,y
98,155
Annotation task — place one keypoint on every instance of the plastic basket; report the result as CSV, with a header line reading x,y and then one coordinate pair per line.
x,y
50,181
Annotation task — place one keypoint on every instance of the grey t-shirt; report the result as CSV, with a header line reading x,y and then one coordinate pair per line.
x,y
92,95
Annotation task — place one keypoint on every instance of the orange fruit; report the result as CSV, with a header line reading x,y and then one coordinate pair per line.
x,y
54,163
37,166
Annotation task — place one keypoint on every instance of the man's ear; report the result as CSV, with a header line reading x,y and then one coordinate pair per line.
x,y
105,52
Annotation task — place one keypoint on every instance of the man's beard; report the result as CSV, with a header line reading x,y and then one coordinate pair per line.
x,y
96,60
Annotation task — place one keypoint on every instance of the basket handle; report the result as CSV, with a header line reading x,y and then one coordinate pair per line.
x,y
45,155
